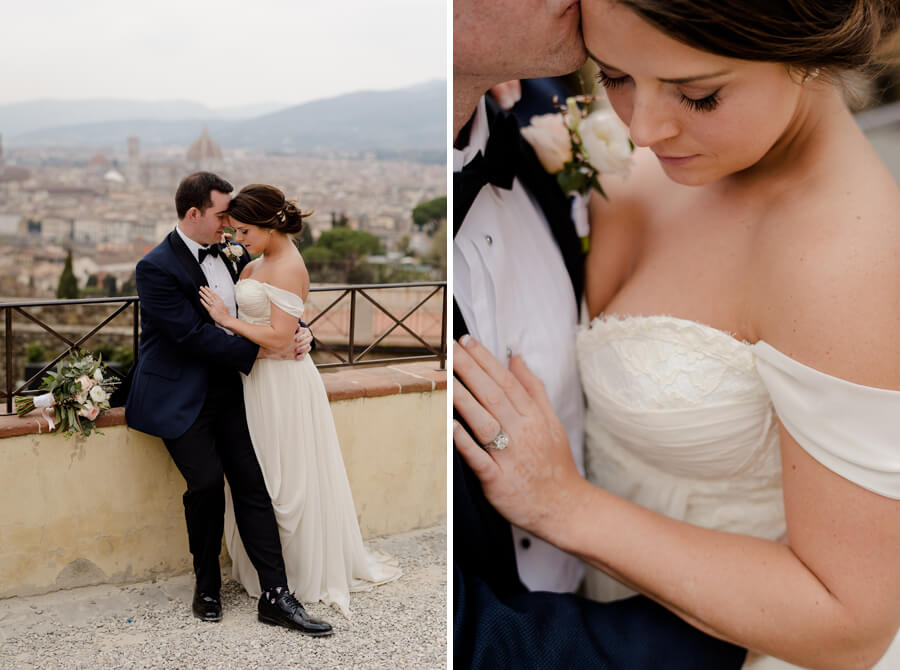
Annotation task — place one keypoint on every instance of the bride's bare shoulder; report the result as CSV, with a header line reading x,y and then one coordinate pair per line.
x,y
828,276
291,275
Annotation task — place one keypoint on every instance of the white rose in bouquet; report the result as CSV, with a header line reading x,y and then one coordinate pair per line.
x,y
98,395
98,375
606,144
86,382
548,135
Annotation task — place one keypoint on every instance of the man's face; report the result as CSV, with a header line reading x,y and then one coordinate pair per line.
x,y
206,227
514,39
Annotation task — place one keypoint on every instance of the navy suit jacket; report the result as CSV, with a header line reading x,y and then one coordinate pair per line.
x,y
179,342
497,622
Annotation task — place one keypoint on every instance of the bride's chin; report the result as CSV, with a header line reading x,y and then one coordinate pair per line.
x,y
688,177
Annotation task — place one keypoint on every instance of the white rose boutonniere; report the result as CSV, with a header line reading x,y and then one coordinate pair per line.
x,y
548,136
577,146
232,252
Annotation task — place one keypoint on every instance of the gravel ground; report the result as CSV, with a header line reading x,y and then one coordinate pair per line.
x,y
149,625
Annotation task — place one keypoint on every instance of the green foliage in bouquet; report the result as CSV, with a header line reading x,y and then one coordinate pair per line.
x,y
80,389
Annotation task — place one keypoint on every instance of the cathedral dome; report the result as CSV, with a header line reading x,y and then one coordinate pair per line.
x,y
204,148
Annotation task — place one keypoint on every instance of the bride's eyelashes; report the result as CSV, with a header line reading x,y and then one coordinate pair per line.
x,y
610,82
705,104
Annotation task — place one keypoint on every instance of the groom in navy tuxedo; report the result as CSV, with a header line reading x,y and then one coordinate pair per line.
x,y
514,237
186,389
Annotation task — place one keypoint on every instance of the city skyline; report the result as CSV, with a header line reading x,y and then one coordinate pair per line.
x,y
270,52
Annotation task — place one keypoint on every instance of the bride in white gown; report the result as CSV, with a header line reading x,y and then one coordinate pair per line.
x,y
741,371
290,420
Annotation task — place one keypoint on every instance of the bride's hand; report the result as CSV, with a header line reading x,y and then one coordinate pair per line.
x,y
215,306
531,482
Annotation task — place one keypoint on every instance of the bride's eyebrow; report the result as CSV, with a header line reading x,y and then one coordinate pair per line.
x,y
677,80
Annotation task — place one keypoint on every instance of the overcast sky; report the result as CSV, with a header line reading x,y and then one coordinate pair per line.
x,y
218,52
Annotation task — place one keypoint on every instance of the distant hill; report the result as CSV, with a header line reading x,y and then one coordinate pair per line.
x,y
405,121
26,117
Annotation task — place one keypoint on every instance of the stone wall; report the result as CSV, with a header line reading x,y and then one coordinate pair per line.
x,y
107,509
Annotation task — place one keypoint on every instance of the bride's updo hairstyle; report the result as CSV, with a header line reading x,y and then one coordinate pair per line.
x,y
265,206
828,37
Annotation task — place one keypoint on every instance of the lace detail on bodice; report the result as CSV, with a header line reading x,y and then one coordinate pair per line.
x,y
255,299
671,363
678,396
679,421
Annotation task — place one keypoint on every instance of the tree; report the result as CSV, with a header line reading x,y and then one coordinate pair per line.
x,y
68,284
305,239
129,286
109,285
430,213
349,244
437,254
316,254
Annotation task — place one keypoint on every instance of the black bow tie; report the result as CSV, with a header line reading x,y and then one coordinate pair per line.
x,y
497,166
212,250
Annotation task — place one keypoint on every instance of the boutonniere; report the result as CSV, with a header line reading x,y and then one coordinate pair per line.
x,y
232,252
577,145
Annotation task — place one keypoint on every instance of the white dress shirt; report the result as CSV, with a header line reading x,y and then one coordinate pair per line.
x,y
514,292
217,275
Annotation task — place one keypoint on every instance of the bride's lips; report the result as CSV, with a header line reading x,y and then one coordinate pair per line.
x,y
675,160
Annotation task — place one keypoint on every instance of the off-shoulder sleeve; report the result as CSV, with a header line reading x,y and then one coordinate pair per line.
x,y
852,430
285,300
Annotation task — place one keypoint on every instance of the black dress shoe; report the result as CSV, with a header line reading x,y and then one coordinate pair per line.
x,y
207,607
288,612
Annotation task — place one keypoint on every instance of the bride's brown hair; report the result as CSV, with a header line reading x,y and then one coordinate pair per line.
x,y
831,36
265,206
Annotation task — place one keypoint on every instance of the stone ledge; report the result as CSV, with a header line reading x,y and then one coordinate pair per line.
x,y
342,384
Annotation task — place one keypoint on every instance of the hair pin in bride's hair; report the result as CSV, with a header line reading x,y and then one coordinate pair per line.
x,y
812,74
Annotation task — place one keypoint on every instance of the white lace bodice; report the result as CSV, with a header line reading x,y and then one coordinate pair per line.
x,y
681,418
255,299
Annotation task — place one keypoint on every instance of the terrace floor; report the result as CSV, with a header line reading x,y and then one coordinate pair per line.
x,y
149,625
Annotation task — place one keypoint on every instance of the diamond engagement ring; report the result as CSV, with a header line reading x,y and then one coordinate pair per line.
x,y
499,443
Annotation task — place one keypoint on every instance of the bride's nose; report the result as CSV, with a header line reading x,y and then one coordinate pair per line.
x,y
650,121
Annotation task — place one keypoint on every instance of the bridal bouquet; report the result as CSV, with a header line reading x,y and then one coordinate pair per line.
x,y
77,392
577,145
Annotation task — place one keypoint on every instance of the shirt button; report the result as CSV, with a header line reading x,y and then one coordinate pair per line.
x,y
525,543
489,239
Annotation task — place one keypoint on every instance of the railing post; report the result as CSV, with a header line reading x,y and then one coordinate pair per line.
x,y
352,325
136,325
444,331
9,361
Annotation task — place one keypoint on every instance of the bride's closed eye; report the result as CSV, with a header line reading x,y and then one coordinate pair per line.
x,y
705,104
610,82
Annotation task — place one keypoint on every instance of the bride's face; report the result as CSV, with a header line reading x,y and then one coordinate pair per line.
x,y
252,237
704,116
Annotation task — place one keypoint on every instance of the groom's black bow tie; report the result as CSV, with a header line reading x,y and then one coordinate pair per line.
x,y
212,250
497,166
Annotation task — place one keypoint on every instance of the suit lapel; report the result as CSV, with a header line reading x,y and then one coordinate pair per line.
x,y
187,260
195,275
553,202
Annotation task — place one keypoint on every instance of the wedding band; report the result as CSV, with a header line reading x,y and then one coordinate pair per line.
x,y
499,443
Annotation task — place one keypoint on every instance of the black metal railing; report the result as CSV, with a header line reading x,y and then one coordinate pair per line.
x,y
355,353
